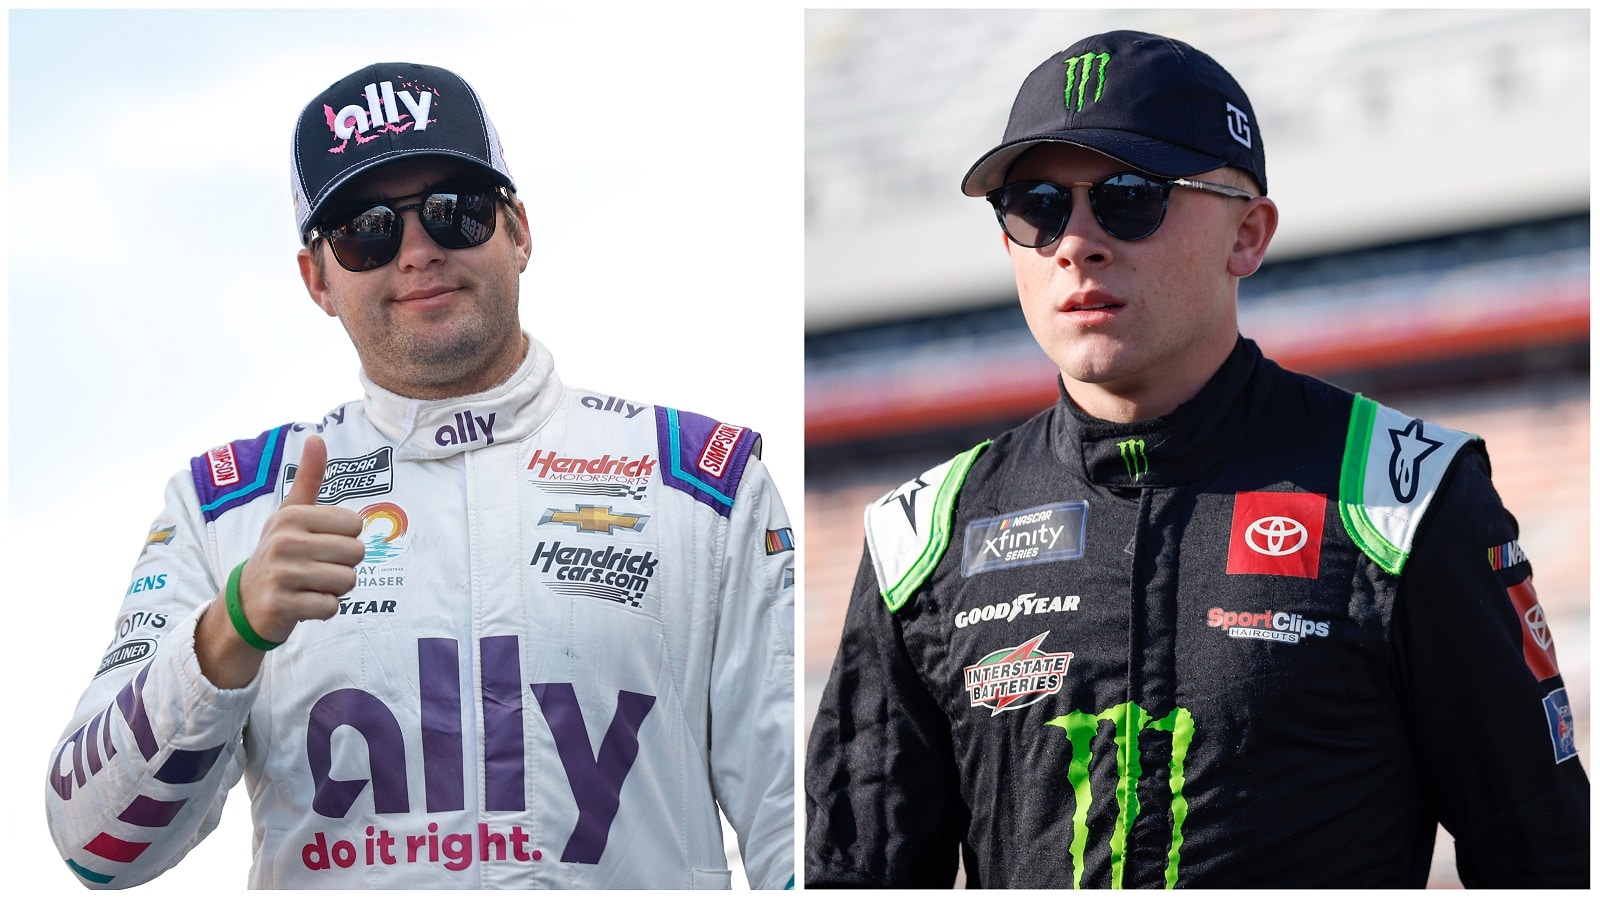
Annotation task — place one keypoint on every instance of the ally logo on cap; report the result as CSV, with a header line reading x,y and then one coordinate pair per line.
x,y
382,111
1079,69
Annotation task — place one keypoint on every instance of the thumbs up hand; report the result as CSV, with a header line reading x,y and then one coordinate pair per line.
x,y
306,557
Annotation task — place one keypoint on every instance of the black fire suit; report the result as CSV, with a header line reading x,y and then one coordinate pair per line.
x,y
1268,640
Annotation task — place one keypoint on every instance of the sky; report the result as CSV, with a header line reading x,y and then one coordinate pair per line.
x,y
155,308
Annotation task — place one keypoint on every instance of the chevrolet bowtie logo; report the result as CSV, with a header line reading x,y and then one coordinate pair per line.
x,y
594,519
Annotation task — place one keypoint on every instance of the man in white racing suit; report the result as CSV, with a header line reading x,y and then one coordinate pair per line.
x,y
477,629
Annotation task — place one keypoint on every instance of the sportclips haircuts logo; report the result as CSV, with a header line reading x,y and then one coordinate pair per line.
x,y
1127,721
1040,534
1284,627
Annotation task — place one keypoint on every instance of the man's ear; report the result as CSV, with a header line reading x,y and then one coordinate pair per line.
x,y
1256,227
311,274
524,242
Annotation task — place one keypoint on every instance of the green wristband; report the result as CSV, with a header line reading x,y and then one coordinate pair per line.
x,y
236,613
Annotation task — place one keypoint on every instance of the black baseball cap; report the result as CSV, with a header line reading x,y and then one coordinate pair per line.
x,y
385,112
1152,102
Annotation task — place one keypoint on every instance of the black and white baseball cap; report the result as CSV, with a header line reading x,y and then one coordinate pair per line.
x,y
1152,102
381,113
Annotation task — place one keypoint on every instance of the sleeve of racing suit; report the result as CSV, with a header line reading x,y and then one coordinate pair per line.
x,y
752,682
883,804
1488,706
139,776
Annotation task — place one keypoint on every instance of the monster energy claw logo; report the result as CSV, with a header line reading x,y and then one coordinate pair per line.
x,y
1078,73
1128,720
1133,457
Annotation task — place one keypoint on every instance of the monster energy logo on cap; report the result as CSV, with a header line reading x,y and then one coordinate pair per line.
x,y
1078,69
1133,457
1129,720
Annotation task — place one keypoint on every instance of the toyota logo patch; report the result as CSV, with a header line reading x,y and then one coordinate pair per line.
x,y
1275,535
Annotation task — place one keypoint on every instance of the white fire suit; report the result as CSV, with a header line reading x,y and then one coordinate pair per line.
x,y
570,640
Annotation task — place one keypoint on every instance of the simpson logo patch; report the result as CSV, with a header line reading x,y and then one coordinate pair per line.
x,y
1276,533
1538,648
719,449
224,468
1016,676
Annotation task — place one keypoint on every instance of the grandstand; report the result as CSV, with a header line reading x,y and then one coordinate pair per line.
x,y
1432,172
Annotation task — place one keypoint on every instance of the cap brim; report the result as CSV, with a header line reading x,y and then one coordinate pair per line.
x,y
331,191
1143,153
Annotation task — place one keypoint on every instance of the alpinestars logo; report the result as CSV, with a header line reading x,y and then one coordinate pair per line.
x,y
1411,447
1016,676
1080,70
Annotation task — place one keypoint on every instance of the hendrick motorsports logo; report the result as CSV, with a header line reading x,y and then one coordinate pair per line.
x,y
1016,676
1040,534
1284,627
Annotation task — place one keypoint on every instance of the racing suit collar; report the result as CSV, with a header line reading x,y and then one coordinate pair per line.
x,y
506,413
1177,448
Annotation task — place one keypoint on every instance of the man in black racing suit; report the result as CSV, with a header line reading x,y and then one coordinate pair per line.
x,y
1205,622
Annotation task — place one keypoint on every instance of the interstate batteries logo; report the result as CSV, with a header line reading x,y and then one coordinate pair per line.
x,y
1016,676
1040,534
1287,628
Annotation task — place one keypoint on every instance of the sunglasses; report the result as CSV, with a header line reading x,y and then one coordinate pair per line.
x,y
1128,206
455,218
